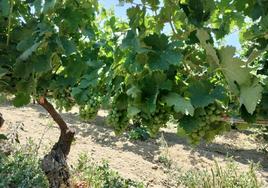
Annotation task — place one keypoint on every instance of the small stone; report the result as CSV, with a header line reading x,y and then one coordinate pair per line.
x,y
155,167
151,180
166,171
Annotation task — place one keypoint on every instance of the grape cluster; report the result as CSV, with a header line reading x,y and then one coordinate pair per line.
x,y
210,123
90,109
156,120
118,119
64,104
63,100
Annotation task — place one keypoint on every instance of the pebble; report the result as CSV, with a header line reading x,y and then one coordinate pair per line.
x,y
155,167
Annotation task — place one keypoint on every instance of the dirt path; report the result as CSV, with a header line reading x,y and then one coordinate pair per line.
x,y
136,160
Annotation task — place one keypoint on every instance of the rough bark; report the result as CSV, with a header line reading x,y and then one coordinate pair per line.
x,y
54,164
1,120
4,144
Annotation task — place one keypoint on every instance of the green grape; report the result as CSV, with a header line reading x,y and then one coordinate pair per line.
x,y
202,124
217,112
63,100
118,120
209,112
195,135
209,136
209,124
89,110
212,108
202,133
154,121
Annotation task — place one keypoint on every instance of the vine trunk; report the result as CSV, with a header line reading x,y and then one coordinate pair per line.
x,y
54,163
1,120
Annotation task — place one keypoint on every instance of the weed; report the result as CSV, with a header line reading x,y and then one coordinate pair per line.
x,y
165,161
21,168
164,156
139,133
260,134
217,176
88,174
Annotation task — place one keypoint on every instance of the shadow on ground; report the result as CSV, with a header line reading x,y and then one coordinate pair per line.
x,y
99,132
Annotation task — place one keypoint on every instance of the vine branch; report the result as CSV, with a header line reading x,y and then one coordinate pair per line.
x,y
9,22
172,27
67,133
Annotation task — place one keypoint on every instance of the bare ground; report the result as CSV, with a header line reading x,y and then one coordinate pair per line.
x,y
136,160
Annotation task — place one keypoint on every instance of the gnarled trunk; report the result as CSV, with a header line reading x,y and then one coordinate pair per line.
x,y
54,164
1,120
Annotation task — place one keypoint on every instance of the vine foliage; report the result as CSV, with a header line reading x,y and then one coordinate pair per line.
x,y
167,60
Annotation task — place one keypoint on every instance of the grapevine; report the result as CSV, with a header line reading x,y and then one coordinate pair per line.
x,y
163,61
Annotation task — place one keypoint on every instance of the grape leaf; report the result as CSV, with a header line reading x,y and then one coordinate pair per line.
x,y
68,46
256,13
72,18
132,111
158,77
41,63
135,14
235,70
154,4
133,66
171,57
5,7
122,101
24,56
212,57
76,91
150,104
62,81
141,58
25,86
164,60
202,35
80,95
250,96
203,93
38,6
23,69
240,79
77,68
49,5
3,72
156,63
25,44
21,99
157,42
89,80
189,123
130,41
167,85
179,103
134,91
